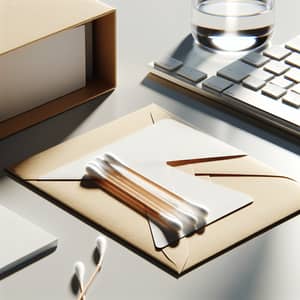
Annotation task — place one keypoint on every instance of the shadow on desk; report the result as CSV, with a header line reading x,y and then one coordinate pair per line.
x,y
187,52
222,112
134,249
27,263
44,135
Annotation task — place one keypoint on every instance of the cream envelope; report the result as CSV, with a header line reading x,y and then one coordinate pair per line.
x,y
275,197
151,151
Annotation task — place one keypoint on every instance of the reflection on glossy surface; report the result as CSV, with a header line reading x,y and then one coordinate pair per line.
x,y
233,42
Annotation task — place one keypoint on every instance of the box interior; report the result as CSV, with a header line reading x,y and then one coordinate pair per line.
x,y
102,79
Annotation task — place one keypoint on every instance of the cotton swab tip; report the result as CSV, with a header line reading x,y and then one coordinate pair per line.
x,y
101,244
79,270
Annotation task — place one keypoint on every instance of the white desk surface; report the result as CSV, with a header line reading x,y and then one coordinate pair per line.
x,y
265,268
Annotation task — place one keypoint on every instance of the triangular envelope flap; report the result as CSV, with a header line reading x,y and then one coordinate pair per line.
x,y
275,199
238,166
111,214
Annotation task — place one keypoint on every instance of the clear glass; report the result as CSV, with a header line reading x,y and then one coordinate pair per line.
x,y
232,25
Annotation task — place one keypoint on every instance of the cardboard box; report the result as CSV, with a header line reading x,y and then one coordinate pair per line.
x,y
28,22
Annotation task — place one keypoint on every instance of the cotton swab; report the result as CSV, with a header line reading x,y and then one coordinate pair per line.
x,y
101,245
79,270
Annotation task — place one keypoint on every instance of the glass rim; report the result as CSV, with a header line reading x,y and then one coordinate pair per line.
x,y
270,4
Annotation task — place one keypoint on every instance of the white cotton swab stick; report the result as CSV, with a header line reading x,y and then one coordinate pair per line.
x,y
101,245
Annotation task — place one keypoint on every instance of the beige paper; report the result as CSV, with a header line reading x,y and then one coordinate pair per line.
x,y
276,198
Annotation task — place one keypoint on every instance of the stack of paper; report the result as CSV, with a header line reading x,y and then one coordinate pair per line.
x,y
21,241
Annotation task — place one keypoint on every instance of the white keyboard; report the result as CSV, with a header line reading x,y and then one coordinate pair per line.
x,y
265,84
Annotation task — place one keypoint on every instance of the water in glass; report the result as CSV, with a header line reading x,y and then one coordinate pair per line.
x,y
232,25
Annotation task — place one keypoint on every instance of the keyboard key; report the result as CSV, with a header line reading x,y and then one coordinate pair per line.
x,y
273,91
263,75
293,74
276,67
277,52
255,59
292,99
296,88
294,60
263,103
236,71
169,64
191,74
216,84
294,44
253,83
282,82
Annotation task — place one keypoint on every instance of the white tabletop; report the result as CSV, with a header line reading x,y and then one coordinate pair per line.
x,y
265,268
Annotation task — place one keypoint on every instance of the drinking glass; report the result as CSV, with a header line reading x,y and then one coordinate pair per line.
x,y
232,25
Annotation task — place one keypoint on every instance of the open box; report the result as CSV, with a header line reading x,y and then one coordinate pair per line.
x,y
28,22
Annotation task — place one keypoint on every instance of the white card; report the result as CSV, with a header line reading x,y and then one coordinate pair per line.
x,y
147,152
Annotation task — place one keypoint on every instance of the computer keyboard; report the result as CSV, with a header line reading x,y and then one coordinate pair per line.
x,y
265,84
